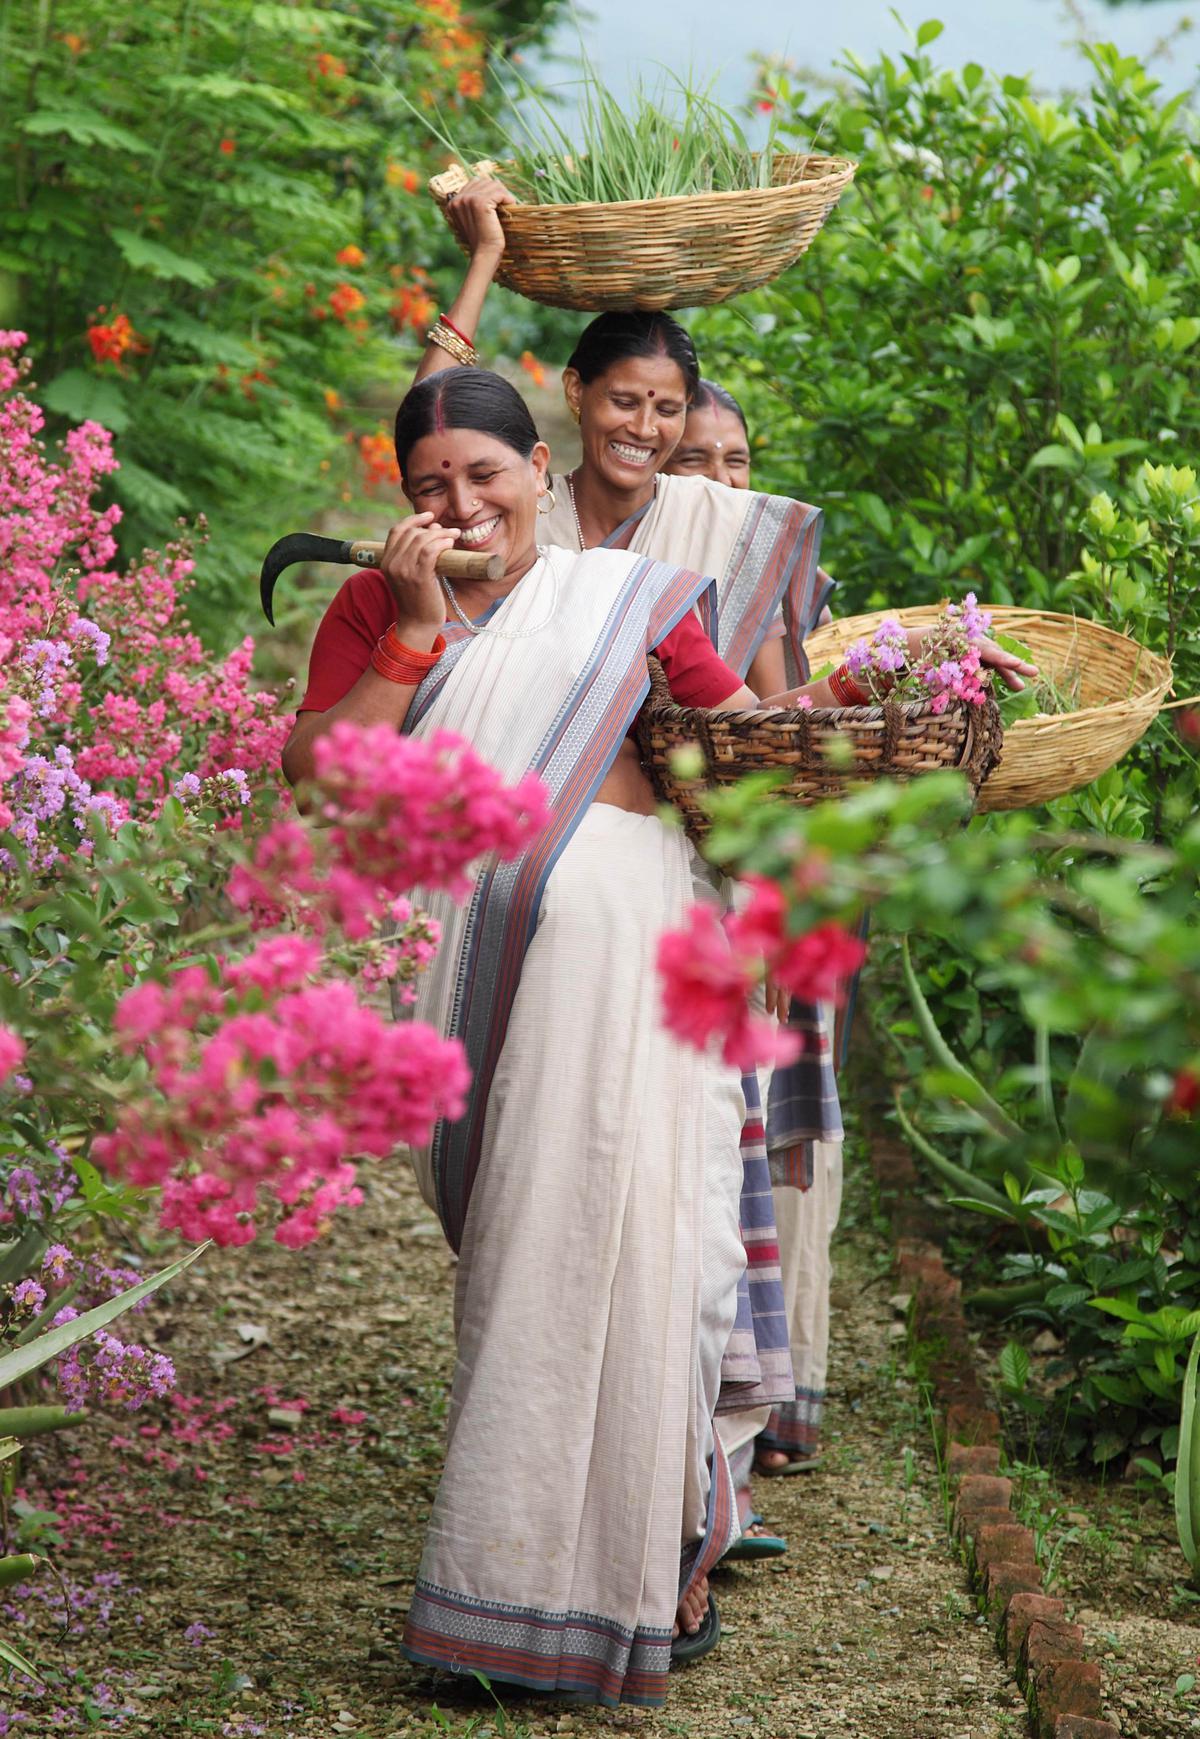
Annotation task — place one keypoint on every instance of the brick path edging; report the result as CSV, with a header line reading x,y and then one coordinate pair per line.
x,y
1061,1686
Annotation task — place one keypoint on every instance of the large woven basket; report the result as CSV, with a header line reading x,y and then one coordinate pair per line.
x,y
1121,687
897,741
678,252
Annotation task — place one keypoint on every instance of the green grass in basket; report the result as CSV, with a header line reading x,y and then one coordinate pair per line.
x,y
669,139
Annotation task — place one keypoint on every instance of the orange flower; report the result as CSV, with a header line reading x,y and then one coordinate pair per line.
x,y
412,305
112,340
227,147
351,256
396,175
333,400
329,66
247,381
73,41
345,300
379,459
533,368
470,85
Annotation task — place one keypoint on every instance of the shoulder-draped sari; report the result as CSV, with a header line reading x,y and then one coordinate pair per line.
x,y
592,1186
762,551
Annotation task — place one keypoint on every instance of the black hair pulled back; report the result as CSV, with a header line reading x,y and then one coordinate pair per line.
x,y
464,398
709,393
616,337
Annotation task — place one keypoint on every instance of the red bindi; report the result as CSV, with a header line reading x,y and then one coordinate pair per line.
x,y
650,392
445,464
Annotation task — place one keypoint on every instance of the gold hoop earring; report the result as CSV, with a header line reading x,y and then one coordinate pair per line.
x,y
574,410
547,495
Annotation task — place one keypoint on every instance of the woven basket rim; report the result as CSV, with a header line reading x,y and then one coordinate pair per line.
x,y
1149,663
791,714
839,168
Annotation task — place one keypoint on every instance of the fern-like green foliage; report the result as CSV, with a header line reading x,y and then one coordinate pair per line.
x,y
196,168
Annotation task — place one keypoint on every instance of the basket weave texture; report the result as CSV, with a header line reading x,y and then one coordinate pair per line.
x,y
897,741
683,251
1121,688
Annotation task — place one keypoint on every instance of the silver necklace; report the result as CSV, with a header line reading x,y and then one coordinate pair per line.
x,y
501,633
575,512
575,509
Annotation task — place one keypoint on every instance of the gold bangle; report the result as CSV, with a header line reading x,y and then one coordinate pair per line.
x,y
452,344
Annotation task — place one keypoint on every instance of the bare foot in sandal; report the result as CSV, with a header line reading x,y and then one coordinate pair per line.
x,y
690,1613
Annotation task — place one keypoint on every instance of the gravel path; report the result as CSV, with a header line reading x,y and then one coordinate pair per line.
x,y
264,1531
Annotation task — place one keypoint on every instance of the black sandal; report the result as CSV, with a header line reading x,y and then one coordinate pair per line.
x,y
685,1649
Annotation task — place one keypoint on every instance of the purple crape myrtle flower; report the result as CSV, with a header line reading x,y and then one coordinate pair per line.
x,y
113,1373
48,659
91,633
235,783
58,1264
22,1192
889,647
28,1295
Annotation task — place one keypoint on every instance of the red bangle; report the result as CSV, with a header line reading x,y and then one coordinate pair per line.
x,y
458,333
844,688
400,663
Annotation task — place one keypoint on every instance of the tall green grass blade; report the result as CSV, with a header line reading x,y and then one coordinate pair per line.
x,y
1187,1465
965,1184
12,1658
34,1421
1045,1081
980,1100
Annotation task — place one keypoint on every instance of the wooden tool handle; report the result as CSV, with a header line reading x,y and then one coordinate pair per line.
x,y
455,564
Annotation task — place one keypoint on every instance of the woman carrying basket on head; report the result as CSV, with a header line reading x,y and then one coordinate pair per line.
x,y
630,384
595,1212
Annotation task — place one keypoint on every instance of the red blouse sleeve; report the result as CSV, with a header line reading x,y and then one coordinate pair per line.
x,y
697,674
362,610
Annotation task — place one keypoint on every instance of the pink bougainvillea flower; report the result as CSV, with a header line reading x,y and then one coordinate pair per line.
x,y
12,1051
816,965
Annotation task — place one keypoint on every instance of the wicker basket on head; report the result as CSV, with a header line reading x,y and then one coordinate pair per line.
x,y
683,251
1121,688
896,741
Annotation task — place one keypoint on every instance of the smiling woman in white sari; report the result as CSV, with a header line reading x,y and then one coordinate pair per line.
x,y
592,1187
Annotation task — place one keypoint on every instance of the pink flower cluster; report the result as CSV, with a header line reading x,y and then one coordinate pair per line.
x,y
260,1088
374,782
401,812
263,1086
711,968
949,667
102,674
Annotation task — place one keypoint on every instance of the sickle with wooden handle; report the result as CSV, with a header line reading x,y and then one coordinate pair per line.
x,y
361,552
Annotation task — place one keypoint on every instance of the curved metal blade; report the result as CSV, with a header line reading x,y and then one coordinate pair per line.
x,y
297,546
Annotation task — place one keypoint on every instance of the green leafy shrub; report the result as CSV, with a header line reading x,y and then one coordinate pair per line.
x,y
1001,314
213,227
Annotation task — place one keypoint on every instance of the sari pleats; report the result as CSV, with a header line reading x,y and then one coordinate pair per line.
x,y
596,1290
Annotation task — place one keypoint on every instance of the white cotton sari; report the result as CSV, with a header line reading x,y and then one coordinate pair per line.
x,y
592,1189
762,551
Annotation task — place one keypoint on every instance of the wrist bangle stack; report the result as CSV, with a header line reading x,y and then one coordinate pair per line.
x,y
458,332
844,689
452,342
401,663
